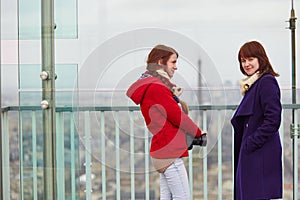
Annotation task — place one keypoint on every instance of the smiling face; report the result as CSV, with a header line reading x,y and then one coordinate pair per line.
x,y
252,58
250,65
170,66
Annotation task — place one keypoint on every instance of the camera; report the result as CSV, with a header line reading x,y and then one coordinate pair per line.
x,y
199,141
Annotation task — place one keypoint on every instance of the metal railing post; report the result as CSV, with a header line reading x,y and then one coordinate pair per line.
x,y
294,125
1,177
48,102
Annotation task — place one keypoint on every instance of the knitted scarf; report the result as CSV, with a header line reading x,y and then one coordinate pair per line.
x,y
247,82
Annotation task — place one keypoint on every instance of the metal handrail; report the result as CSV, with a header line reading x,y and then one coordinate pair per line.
x,y
128,108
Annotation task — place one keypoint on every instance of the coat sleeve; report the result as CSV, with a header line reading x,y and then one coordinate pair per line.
x,y
269,97
167,106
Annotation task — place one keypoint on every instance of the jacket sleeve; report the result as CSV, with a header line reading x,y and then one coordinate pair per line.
x,y
269,96
167,106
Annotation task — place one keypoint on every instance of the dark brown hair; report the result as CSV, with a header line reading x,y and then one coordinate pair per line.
x,y
159,52
256,50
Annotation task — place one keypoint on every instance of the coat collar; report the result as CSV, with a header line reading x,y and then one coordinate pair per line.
x,y
247,104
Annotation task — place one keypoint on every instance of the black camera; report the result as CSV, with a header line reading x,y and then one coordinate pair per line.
x,y
199,141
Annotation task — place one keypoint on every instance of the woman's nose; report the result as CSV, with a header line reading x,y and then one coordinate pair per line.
x,y
247,63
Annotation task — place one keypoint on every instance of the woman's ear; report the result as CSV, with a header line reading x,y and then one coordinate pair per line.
x,y
160,61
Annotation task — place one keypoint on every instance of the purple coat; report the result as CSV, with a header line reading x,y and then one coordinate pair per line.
x,y
257,146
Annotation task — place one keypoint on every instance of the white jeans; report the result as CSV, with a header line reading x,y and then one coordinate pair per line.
x,y
174,183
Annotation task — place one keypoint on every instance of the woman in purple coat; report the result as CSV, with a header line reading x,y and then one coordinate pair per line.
x,y
257,146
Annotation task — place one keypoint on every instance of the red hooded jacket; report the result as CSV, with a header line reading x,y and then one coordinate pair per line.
x,y
164,118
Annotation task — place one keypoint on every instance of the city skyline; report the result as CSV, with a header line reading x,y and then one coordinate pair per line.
x,y
215,28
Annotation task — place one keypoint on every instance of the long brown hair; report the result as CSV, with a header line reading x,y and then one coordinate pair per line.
x,y
159,53
256,50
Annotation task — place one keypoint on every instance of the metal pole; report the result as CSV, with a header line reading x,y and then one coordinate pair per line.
x,y
48,95
1,175
295,125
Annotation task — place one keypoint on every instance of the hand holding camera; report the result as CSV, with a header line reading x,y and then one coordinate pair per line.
x,y
198,141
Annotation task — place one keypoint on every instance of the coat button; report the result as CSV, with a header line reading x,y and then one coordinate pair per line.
x,y
247,125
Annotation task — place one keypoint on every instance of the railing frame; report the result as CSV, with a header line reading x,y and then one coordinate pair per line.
x,y
88,162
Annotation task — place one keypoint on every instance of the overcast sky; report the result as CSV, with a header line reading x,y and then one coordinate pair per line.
x,y
115,36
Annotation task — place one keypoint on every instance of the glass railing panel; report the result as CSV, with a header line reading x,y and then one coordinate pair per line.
x,y
66,20
9,20
31,131
65,17
30,85
9,84
66,85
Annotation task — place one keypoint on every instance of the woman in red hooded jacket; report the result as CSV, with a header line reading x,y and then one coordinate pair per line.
x,y
166,120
